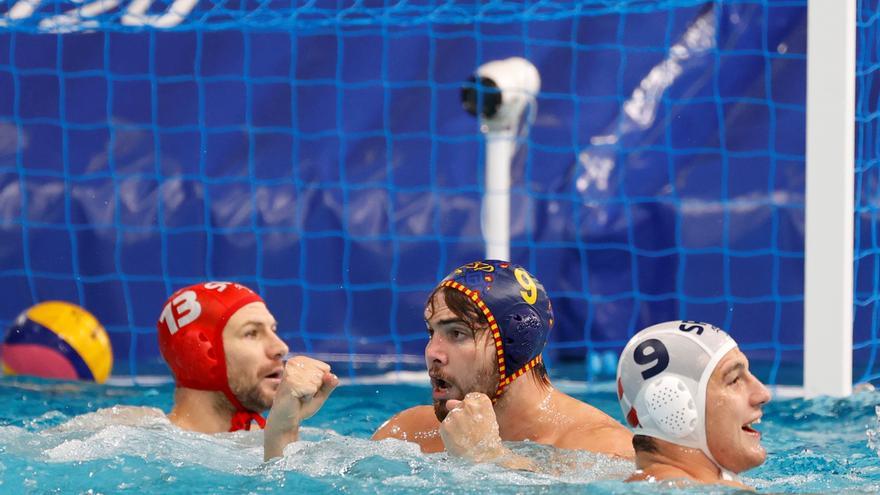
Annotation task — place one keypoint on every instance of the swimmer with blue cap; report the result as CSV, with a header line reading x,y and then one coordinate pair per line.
x,y
488,322
686,391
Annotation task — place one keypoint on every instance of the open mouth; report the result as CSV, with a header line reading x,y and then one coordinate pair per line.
x,y
439,384
441,389
275,375
749,427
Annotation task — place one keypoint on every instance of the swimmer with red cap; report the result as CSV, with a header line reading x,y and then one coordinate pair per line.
x,y
219,340
488,323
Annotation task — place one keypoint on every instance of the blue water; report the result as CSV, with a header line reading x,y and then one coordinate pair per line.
x,y
48,446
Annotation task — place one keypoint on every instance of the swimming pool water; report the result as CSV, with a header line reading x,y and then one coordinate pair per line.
x,y
46,446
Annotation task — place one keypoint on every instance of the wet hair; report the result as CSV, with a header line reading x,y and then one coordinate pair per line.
x,y
461,306
465,309
642,443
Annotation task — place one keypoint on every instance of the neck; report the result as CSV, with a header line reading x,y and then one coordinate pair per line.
x,y
526,409
203,411
691,461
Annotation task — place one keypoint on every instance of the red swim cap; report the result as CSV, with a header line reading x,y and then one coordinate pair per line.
x,y
191,339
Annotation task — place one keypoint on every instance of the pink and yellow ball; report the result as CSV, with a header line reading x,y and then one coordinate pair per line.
x,y
59,340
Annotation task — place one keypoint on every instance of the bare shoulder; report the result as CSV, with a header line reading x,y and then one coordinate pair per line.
x,y
132,415
676,476
609,439
660,472
593,430
117,416
406,422
416,424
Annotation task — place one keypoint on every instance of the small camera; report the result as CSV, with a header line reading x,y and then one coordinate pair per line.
x,y
500,90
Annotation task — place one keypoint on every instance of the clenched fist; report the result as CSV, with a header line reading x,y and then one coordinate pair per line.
x,y
305,385
470,430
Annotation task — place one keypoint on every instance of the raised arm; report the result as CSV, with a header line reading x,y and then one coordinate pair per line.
x,y
305,385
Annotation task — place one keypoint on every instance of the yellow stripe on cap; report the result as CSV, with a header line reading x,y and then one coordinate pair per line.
x,y
502,386
496,336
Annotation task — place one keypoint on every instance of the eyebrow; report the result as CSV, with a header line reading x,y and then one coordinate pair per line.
x,y
739,366
256,323
450,321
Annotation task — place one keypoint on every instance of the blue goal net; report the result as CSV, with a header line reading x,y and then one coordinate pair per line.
x,y
318,152
867,192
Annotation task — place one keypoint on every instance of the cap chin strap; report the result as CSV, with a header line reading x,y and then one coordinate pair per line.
x,y
505,381
726,474
242,421
242,418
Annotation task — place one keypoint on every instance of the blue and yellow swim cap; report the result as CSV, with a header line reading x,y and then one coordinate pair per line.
x,y
517,308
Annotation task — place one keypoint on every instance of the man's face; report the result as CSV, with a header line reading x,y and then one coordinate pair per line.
x,y
734,398
458,361
253,356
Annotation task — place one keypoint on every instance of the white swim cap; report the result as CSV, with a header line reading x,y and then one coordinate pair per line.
x,y
662,377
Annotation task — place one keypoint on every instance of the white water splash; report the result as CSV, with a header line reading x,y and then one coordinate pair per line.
x,y
873,433
397,463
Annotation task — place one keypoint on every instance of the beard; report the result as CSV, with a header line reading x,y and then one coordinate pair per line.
x,y
254,399
484,381
251,395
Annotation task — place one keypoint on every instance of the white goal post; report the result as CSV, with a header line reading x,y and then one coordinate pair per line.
x,y
830,162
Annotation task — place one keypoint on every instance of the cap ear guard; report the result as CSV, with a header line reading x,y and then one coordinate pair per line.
x,y
520,324
670,405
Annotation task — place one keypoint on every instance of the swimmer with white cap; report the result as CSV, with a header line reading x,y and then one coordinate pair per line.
x,y
686,391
